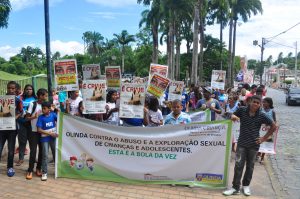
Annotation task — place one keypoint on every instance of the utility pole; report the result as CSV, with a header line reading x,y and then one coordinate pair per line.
x,y
262,48
296,54
48,52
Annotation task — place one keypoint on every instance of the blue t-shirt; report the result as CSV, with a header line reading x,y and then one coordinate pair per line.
x,y
183,118
184,100
133,121
47,123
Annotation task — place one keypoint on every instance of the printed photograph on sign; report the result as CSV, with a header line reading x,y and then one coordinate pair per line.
x,y
132,100
160,69
65,72
113,76
158,85
91,71
218,79
175,90
94,96
7,112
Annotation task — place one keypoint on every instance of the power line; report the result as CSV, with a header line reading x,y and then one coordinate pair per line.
x,y
282,45
271,38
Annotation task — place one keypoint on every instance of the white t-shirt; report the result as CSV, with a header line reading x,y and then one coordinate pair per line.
x,y
114,117
74,105
37,110
155,117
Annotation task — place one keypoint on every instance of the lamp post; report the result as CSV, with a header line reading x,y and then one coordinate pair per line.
x,y
262,48
48,52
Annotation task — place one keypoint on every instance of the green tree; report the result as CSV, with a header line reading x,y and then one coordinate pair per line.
x,y
124,39
5,9
93,43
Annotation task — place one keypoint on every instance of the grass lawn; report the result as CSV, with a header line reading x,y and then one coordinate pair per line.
x,y
8,76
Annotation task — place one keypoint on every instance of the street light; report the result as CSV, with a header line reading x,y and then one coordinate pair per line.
x,y
296,54
262,48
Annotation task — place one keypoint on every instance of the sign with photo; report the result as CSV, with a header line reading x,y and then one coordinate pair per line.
x,y
158,85
91,71
159,69
218,79
132,100
175,90
94,96
113,76
7,112
65,73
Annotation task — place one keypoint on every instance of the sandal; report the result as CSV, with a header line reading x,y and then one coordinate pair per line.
x,y
29,176
20,162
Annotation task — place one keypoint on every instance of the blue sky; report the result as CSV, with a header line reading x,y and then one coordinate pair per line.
x,y
70,18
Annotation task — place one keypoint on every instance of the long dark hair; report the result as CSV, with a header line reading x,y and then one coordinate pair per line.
x,y
269,101
109,94
24,96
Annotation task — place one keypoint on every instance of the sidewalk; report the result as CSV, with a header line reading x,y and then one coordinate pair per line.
x,y
19,187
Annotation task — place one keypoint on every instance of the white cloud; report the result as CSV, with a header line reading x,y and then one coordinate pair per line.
x,y
276,18
114,3
23,4
7,51
65,48
109,15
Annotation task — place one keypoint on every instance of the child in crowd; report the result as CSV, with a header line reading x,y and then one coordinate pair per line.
x,y
10,135
154,114
46,125
177,116
268,109
73,102
33,112
112,109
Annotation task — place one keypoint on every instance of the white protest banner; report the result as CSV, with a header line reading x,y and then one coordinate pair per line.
x,y
193,154
91,71
175,90
7,112
218,79
201,116
248,76
268,146
132,100
65,73
113,76
94,96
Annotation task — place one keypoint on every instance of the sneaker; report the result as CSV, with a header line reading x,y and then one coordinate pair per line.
x,y
10,172
38,172
29,176
231,191
44,177
246,190
19,162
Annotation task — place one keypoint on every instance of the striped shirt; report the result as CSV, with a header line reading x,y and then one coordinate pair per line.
x,y
250,126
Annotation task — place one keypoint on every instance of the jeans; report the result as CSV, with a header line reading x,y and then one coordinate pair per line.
x,y
23,134
52,144
10,136
45,147
34,141
243,155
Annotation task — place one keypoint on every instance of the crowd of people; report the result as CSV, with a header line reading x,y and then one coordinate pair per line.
x,y
36,121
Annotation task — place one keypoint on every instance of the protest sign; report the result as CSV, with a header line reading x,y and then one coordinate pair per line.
x,y
175,90
91,71
218,79
94,96
113,76
7,112
132,100
65,73
157,85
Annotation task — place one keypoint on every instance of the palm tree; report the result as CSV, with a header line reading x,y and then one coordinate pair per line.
x,y
152,19
124,39
94,43
5,9
243,9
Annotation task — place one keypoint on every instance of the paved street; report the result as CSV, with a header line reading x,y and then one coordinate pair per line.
x,y
286,163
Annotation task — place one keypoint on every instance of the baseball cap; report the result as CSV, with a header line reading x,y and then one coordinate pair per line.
x,y
208,89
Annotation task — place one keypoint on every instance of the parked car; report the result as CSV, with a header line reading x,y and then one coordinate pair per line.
x,y
293,96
